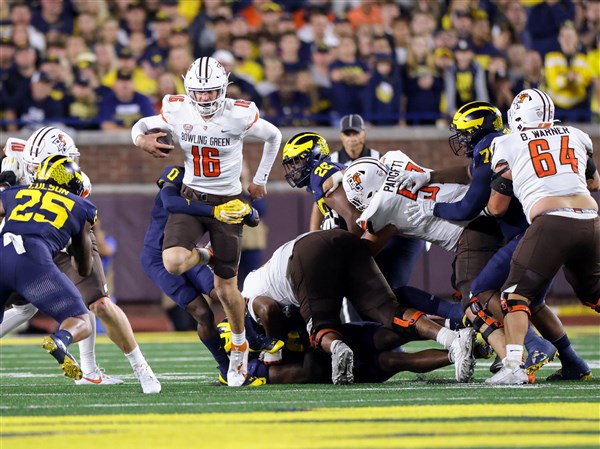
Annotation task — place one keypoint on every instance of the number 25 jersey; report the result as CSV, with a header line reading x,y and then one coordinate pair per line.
x,y
46,212
212,148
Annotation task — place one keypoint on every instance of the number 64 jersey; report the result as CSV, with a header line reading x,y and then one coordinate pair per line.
x,y
389,204
212,148
544,162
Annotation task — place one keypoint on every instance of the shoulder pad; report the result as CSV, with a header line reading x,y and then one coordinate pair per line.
x,y
172,174
244,113
172,105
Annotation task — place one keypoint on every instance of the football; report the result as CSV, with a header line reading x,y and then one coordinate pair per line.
x,y
167,140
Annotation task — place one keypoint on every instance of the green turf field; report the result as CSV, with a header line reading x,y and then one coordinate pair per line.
x,y
40,408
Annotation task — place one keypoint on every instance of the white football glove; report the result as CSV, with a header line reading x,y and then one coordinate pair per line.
x,y
331,221
412,180
419,211
271,359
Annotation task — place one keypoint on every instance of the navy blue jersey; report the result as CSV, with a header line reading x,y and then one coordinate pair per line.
x,y
168,200
49,213
323,170
158,219
476,198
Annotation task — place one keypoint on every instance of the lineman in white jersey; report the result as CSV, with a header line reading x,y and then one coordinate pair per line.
x,y
544,166
210,129
375,194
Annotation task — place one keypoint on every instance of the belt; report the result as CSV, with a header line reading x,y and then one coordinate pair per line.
x,y
575,210
191,194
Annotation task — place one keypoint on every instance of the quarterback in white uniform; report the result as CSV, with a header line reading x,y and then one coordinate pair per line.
x,y
210,130
545,167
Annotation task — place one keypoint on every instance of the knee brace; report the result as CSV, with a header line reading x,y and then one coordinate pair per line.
x,y
400,324
316,337
514,305
482,318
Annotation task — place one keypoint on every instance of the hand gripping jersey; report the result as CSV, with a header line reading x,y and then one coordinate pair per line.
x,y
212,148
50,214
544,162
389,203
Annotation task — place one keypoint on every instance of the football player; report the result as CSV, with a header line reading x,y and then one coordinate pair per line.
x,y
316,270
93,288
210,129
476,125
307,163
189,290
545,167
40,220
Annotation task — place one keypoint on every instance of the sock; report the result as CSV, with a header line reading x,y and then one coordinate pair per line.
x,y
87,354
64,336
15,316
238,339
213,344
135,357
532,339
249,328
445,337
514,354
566,353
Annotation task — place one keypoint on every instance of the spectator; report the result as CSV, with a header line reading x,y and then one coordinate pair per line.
x,y
161,30
287,106
121,107
178,62
83,106
481,41
594,63
544,22
75,45
53,14
7,56
270,13
367,13
239,87
401,38
125,61
465,80
106,59
167,85
289,45
499,85
319,30
319,102
109,33
383,93
349,76
423,84
179,37
515,25
273,69
532,73
135,21
244,52
87,27
20,15
319,68
568,76
36,106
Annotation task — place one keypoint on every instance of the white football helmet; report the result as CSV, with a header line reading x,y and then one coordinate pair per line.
x,y
206,74
43,143
362,179
531,108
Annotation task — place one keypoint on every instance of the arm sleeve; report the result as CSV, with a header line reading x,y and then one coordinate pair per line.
x,y
474,200
176,204
272,137
146,123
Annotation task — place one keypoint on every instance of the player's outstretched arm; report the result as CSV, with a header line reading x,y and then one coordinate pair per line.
x,y
81,247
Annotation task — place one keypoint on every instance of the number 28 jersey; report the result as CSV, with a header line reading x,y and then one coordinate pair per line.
x,y
47,212
544,162
212,148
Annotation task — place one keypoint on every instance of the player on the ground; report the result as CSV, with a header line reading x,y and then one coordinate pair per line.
x,y
93,288
210,129
190,289
544,166
317,270
40,220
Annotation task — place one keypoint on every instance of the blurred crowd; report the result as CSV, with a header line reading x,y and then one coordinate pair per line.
x,y
103,64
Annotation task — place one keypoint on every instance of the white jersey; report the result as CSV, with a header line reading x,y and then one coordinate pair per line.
x,y
544,162
271,279
213,148
389,204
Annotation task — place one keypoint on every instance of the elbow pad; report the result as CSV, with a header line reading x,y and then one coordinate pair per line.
x,y
590,168
502,185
